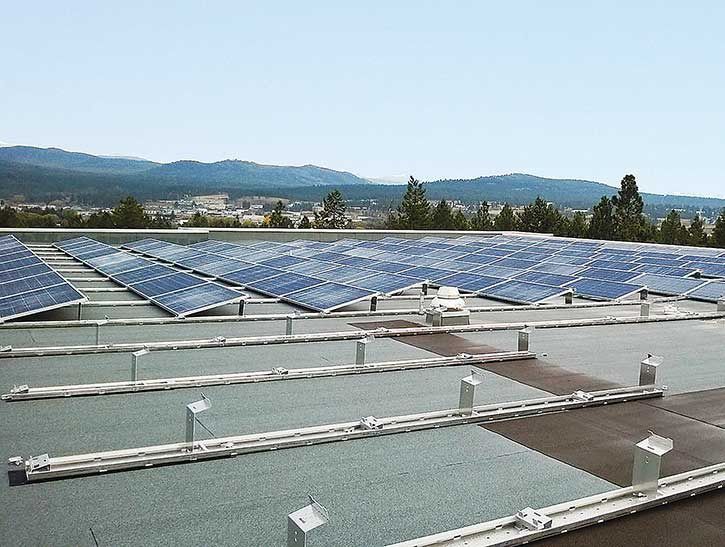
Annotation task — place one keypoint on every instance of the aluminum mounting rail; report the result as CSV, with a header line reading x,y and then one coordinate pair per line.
x,y
25,393
572,515
356,334
46,467
320,315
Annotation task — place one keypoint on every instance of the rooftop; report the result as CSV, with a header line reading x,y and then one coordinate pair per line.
x,y
399,454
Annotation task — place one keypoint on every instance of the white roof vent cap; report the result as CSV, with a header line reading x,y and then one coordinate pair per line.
x,y
448,298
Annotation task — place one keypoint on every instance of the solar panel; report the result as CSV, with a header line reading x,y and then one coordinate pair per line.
x,y
708,269
391,267
469,282
514,263
607,275
498,271
613,264
28,285
665,270
555,280
344,274
177,292
662,284
423,273
521,292
385,283
603,290
550,267
328,296
309,267
249,275
196,299
166,284
710,292
282,284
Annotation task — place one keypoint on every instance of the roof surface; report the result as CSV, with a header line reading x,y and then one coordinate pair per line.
x,y
378,490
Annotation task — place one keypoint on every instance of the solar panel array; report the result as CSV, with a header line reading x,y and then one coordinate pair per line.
x,y
519,269
178,293
28,285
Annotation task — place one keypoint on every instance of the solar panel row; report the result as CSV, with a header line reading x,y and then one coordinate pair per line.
x,y
28,285
179,293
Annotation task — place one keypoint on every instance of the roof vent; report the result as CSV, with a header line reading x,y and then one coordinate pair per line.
x,y
448,298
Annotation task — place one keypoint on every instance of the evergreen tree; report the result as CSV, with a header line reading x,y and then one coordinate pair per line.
x,y
332,215
718,234
601,226
696,233
671,229
305,223
414,211
482,221
577,226
539,217
506,220
129,214
277,218
442,216
628,208
104,219
460,222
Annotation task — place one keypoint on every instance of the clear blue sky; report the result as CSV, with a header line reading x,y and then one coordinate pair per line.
x,y
574,89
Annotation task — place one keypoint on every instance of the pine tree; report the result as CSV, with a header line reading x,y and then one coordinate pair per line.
x,y
332,215
506,220
670,229
601,226
442,216
718,234
129,214
482,220
305,223
696,233
577,226
460,222
277,218
628,208
414,211
539,217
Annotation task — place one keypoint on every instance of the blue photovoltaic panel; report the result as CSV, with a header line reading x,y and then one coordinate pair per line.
x,y
469,282
603,290
93,252
665,270
555,280
514,263
223,267
344,274
390,267
521,292
163,285
566,259
282,284
423,273
494,252
201,259
607,275
166,284
550,267
655,254
475,258
530,255
283,261
498,271
310,267
196,299
141,274
709,270
385,283
660,261
613,264
32,283
250,274
662,284
710,292
27,284
328,296
27,271
351,261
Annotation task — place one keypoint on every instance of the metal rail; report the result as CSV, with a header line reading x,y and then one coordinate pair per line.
x,y
315,315
356,334
46,467
26,393
568,516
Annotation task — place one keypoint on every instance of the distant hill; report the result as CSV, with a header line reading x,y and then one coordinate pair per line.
x,y
46,174
76,161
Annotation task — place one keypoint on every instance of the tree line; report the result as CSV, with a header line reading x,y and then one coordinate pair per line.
x,y
620,217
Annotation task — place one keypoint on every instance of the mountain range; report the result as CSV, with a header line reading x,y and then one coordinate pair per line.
x,y
47,174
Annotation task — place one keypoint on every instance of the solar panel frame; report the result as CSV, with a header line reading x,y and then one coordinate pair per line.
x,y
596,289
712,291
513,291
341,296
671,286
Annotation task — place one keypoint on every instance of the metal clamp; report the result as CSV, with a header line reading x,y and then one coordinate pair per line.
x,y
370,422
529,519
